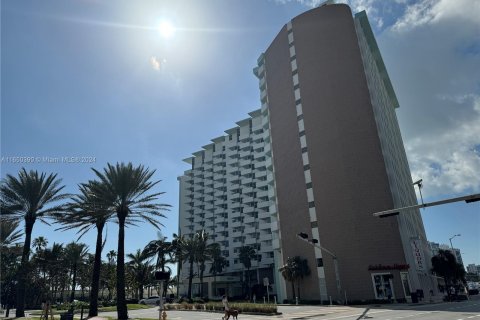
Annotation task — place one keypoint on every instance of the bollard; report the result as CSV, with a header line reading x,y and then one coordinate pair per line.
x,y
296,301
330,300
275,297
263,299
164,315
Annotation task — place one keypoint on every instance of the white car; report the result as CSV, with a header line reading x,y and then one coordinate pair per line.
x,y
155,300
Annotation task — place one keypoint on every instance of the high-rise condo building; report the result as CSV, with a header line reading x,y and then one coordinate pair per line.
x,y
320,156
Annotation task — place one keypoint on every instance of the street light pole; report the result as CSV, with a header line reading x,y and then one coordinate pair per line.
x,y
394,212
314,242
451,245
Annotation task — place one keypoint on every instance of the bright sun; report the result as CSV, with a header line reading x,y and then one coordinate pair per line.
x,y
166,29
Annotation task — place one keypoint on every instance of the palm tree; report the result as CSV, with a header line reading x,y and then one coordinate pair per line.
x,y
29,197
140,268
245,255
111,256
75,254
302,270
8,233
218,264
444,264
10,252
53,259
203,254
160,248
288,273
88,210
188,248
165,253
177,256
127,187
40,243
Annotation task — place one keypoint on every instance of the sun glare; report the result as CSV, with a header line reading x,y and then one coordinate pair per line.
x,y
166,29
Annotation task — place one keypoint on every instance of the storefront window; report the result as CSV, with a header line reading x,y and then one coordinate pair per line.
x,y
405,283
383,286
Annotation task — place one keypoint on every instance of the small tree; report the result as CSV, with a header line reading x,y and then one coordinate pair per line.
x,y
445,265
288,273
302,271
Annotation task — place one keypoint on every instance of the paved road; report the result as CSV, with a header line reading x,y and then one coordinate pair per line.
x,y
466,310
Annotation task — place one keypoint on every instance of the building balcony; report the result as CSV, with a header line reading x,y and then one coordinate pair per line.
x,y
266,261
266,237
274,226
276,244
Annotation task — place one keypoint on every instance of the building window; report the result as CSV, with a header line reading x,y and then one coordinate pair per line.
x,y
319,262
311,204
306,167
314,224
309,185
383,286
304,150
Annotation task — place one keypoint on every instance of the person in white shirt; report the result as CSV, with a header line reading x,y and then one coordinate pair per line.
x,y
225,306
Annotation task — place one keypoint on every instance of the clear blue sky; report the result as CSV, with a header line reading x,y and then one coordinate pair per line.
x,y
96,78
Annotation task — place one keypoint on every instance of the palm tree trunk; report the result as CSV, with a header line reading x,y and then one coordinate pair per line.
x,y
201,279
298,289
190,278
122,312
93,308
74,282
178,275
22,275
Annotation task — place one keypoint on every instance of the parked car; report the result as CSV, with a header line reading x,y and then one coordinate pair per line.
x,y
154,300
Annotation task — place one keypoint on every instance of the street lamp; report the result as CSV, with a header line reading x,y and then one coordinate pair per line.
x,y
456,235
314,242
419,184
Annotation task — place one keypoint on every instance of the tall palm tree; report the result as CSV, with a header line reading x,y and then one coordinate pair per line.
x,y
177,255
86,211
162,249
188,248
53,259
202,254
75,254
140,268
128,187
218,264
9,235
29,197
245,255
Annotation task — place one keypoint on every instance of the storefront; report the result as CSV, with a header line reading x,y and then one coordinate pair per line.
x,y
390,282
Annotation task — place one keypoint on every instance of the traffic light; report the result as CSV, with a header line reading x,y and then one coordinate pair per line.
x,y
389,214
162,275
303,235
